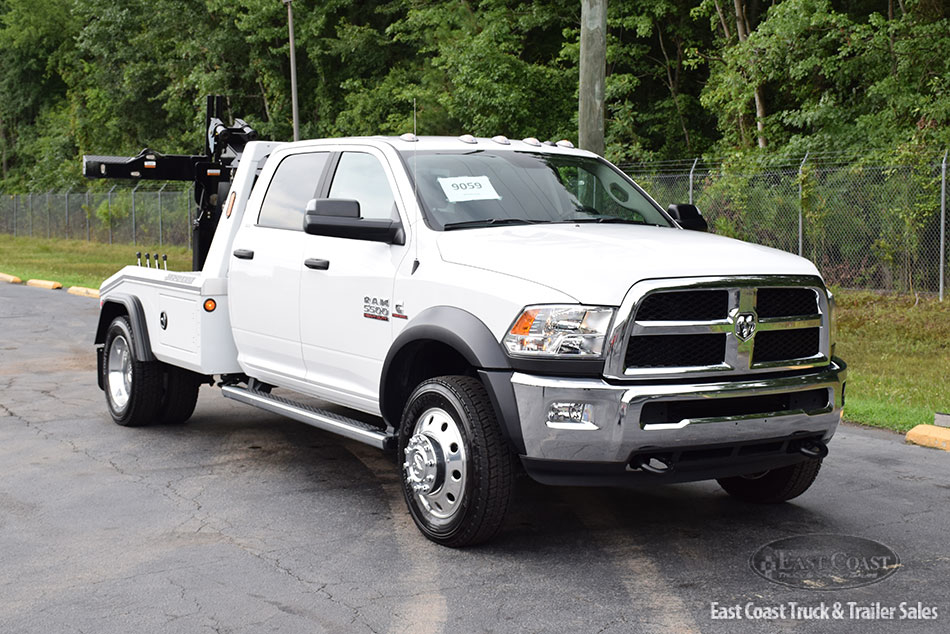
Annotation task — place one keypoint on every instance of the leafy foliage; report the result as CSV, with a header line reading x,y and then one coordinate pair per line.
x,y
110,77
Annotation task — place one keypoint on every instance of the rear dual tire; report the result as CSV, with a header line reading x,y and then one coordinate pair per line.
x,y
140,393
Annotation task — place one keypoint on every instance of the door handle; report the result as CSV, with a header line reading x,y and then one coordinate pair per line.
x,y
313,263
244,254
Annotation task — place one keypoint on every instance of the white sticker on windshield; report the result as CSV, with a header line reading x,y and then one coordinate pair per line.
x,y
460,189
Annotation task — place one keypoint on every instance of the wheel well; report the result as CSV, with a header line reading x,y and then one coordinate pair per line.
x,y
108,312
413,364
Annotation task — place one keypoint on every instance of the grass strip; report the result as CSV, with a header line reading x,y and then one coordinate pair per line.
x,y
898,352
77,262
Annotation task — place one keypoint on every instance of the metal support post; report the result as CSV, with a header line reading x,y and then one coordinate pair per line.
x,y
31,213
293,68
943,221
691,170
133,211
49,217
801,205
14,215
67,211
160,236
87,216
109,212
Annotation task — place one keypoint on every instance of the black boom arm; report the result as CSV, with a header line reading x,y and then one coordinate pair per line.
x,y
211,172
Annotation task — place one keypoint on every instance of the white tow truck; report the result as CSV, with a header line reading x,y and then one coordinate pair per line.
x,y
479,307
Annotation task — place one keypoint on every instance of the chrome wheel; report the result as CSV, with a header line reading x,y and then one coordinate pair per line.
x,y
119,372
435,465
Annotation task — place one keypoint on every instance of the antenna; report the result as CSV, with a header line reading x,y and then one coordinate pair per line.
x,y
415,188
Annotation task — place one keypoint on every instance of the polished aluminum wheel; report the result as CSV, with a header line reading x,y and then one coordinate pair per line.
x,y
119,373
435,465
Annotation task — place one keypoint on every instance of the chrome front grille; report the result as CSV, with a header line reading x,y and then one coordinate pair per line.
x,y
673,351
680,305
779,345
785,302
715,326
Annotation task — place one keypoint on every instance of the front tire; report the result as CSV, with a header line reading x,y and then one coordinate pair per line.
x,y
133,388
456,470
774,486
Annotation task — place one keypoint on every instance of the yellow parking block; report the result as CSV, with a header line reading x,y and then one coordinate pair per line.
x,y
930,436
10,279
83,291
44,284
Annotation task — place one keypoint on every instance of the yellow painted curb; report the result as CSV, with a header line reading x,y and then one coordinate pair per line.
x,y
930,436
11,279
83,291
44,284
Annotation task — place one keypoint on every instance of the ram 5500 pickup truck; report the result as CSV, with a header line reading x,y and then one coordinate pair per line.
x,y
480,307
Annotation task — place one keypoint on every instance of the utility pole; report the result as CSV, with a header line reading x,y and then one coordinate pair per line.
x,y
293,68
593,70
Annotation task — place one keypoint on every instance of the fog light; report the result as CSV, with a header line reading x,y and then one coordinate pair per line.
x,y
568,415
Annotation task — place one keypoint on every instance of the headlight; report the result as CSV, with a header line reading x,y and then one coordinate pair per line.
x,y
559,331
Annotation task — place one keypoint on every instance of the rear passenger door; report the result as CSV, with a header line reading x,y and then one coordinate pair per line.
x,y
346,309
265,273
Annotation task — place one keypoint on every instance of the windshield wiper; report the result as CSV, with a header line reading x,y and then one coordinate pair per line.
x,y
488,223
608,219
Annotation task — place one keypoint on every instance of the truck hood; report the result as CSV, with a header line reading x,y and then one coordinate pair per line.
x,y
598,263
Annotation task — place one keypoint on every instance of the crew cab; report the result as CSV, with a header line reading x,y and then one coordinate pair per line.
x,y
482,307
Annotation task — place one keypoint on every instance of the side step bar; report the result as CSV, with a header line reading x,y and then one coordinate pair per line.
x,y
322,419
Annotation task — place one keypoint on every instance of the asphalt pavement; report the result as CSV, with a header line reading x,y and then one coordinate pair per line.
x,y
240,521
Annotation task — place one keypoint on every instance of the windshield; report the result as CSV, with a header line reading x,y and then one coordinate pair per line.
x,y
482,188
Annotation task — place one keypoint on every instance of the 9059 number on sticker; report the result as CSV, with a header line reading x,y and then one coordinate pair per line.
x,y
466,186
460,189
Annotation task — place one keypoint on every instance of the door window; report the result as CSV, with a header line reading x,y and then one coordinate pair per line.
x,y
294,184
360,176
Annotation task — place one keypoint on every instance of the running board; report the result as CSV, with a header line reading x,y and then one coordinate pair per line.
x,y
321,419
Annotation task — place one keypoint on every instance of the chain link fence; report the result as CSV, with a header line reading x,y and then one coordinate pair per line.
x,y
121,215
865,227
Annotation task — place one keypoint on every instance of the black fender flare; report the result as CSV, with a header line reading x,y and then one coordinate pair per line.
x,y
471,338
131,307
458,329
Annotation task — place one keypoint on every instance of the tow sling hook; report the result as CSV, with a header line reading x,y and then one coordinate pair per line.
x,y
814,449
654,464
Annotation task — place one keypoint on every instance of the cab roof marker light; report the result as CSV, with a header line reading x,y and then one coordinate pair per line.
x,y
501,139
564,143
467,138
531,141
409,137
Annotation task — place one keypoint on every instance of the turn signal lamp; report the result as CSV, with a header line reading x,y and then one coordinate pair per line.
x,y
210,305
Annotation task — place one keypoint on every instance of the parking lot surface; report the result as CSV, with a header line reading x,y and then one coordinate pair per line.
x,y
240,521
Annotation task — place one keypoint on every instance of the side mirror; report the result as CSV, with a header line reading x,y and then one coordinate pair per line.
x,y
338,218
335,207
688,217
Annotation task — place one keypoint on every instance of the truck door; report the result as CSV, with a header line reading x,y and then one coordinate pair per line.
x,y
265,272
346,308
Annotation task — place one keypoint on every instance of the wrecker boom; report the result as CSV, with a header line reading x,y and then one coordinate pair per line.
x,y
211,172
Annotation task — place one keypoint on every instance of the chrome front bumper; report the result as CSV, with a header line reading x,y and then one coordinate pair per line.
x,y
613,431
